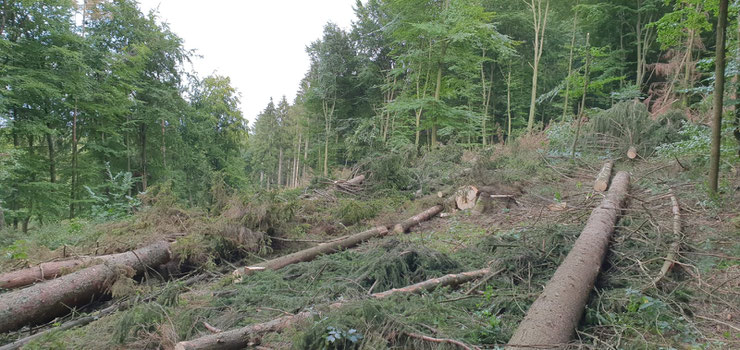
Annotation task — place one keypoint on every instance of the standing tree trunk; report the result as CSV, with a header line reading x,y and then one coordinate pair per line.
x,y
570,65
142,136
52,158
485,95
280,169
508,105
73,187
719,91
438,89
539,25
164,147
2,218
328,113
737,87
552,319
305,157
583,99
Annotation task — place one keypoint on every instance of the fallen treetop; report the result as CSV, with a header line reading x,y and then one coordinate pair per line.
x,y
44,301
241,337
552,319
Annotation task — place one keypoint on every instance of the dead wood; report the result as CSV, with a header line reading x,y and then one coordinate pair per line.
x,y
417,219
602,180
82,321
54,269
554,316
466,197
334,246
670,258
242,337
351,186
311,253
632,152
44,301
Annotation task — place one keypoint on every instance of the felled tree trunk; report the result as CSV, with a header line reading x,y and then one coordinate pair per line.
x,y
553,318
670,259
54,269
416,219
602,180
311,253
242,337
43,302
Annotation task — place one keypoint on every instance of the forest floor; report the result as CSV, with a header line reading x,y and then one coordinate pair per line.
x,y
696,306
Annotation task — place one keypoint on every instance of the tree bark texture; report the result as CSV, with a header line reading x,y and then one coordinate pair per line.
x,y
44,301
54,269
416,219
719,93
553,318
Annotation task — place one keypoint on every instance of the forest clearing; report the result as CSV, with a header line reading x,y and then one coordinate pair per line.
x,y
454,174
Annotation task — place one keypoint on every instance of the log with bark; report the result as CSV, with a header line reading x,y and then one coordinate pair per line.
x,y
405,225
311,253
44,301
242,337
602,180
552,319
670,258
350,186
334,246
54,269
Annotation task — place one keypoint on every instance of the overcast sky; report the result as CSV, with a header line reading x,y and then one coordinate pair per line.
x,y
259,44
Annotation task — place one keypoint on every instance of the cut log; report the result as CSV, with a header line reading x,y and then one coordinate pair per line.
x,y
632,152
311,253
676,245
350,186
552,319
82,321
43,302
242,337
334,246
417,219
357,180
54,269
465,197
602,180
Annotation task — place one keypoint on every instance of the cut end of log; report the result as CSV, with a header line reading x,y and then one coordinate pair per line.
x,y
398,229
632,152
241,272
602,179
466,197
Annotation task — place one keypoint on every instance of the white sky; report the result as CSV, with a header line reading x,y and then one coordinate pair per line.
x,y
260,45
